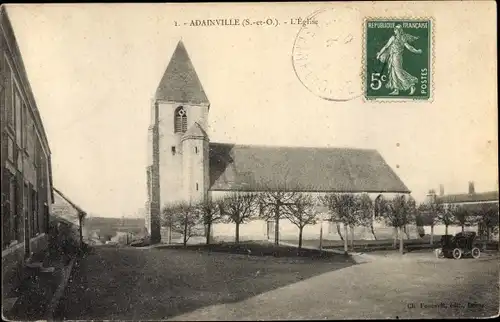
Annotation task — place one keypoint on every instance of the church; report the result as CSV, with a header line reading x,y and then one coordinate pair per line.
x,y
184,165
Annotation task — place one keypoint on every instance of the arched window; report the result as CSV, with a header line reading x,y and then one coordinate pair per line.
x,y
180,120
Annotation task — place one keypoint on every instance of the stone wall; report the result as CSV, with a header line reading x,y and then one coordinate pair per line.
x,y
258,230
13,260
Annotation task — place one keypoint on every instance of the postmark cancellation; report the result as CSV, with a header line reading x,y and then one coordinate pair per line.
x,y
386,59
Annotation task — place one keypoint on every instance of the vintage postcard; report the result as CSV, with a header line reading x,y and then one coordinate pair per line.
x,y
249,161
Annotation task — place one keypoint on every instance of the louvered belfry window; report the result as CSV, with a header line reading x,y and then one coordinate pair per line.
x,y
180,122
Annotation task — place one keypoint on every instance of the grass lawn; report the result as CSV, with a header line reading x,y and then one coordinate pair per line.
x,y
127,283
254,248
418,287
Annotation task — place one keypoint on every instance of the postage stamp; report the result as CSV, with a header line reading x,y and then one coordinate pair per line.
x,y
398,59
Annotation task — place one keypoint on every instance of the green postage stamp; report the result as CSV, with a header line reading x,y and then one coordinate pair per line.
x,y
398,59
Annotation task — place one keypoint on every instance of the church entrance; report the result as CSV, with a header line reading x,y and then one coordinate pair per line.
x,y
270,229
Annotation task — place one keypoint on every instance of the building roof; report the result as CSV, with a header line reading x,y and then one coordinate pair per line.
x,y
62,220
258,168
180,83
195,132
71,203
470,197
62,210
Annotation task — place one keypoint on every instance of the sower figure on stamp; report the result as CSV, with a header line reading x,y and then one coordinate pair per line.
x,y
392,52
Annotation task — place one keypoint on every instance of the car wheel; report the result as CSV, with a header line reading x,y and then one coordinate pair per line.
x,y
475,252
457,253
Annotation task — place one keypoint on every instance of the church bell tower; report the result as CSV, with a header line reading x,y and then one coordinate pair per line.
x,y
177,140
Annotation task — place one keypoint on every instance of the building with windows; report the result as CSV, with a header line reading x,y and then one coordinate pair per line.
x,y
25,161
468,199
184,165
475,202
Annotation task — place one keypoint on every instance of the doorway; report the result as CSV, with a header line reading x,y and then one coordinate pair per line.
x,y
270,229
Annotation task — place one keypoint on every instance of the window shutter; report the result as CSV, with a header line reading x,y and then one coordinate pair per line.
x,y
18,111
177,124
26,128
31,139
184,124
180,120
8,97
10,149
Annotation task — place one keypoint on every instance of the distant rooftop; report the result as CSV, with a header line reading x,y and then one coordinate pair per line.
x,y
488,196
471,197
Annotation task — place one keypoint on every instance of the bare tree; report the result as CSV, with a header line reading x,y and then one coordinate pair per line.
x,y
182,217
301,211
272,204
430,212
461,215
446,218
167,219
383,210
341,208
211,213
239,208
365,212
488,217
419,222
398,213
412,213
338,230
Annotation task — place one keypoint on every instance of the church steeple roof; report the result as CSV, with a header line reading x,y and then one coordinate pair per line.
x,y
180,83
195,132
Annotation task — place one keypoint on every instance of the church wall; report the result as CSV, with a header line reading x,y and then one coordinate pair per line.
x,y
197,113
150,134
150,147
206,168
195,168
170,163
172,172
252,230
257,228
187,170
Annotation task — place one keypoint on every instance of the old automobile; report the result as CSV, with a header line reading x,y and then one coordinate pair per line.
x,y
463,244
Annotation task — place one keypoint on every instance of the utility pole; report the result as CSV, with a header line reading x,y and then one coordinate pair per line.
x,y
321,233
277,223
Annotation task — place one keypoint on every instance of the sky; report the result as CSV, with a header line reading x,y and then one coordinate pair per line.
x,y
94,69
